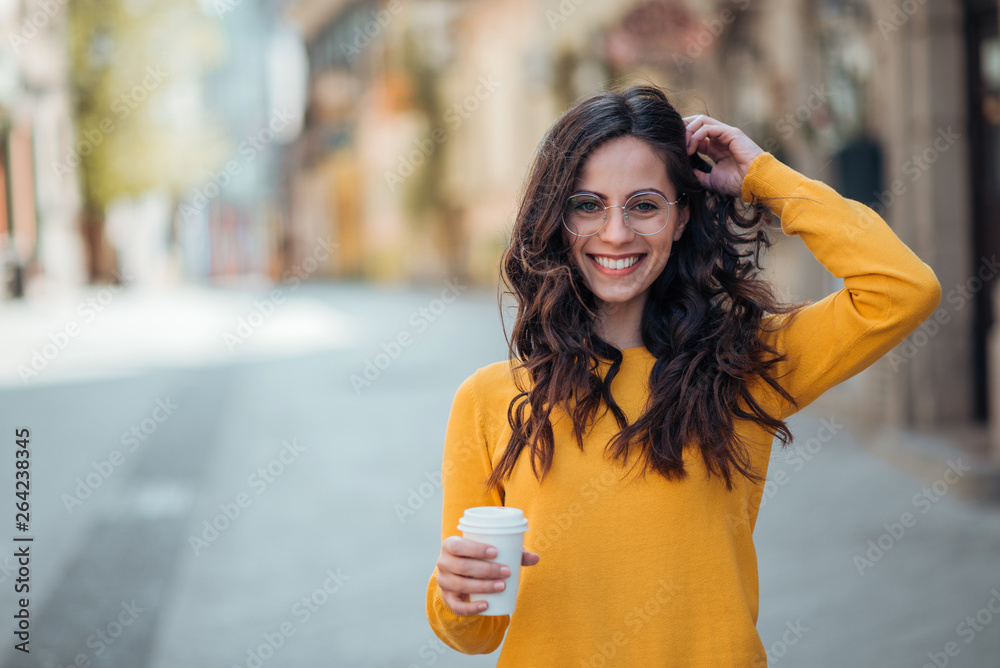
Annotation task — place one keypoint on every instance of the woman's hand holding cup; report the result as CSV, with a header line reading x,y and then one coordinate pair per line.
x,y
464,568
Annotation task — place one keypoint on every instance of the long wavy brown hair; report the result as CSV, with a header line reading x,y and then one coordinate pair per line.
x,y
701,320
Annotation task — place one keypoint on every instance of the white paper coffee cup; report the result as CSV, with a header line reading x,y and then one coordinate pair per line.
x,y
503,528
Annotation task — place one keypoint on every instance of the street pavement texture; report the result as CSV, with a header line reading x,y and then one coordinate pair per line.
x,y
211,494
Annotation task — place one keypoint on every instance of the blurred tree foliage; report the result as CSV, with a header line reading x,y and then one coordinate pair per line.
x,y
136,68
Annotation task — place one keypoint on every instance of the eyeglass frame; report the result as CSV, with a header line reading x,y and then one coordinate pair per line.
x,y
624,211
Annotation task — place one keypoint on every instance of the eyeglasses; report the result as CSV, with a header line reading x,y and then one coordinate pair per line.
x,y
646,213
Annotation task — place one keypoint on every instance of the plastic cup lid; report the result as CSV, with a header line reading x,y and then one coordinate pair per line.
x,y
493,519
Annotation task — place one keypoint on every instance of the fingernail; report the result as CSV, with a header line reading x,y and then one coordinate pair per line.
x,y
504,571
491,552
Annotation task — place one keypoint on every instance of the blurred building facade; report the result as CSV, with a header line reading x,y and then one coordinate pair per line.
x,y
38,214
424,115
388,140
228,225
189,132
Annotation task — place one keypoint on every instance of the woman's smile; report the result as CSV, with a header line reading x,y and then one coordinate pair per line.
x,y
617,265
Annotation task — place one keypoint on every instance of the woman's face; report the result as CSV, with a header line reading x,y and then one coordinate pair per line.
x,y
616,170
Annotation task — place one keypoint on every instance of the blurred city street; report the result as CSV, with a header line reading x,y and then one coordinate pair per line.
x,y
210,505
249,251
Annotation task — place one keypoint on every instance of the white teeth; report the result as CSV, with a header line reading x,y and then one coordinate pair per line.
x,y
616,264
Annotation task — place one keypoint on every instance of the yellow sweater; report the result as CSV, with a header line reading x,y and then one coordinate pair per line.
x,y
646,572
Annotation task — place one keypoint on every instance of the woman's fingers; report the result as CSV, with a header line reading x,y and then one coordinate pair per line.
x,y
709,136
701,127
464,547
460,605
717,153
727,146
698,128
463,569
467,560
459,584
455,589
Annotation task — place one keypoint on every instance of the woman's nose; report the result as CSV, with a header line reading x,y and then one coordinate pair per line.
x,y
615,229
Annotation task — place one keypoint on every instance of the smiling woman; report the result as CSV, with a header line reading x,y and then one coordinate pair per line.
x,y
636,271
619,256
691,298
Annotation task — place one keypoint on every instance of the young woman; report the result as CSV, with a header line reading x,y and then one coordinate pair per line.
x,y
649,371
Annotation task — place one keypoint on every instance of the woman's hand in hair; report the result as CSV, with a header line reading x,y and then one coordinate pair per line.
x,y
463,569
727,146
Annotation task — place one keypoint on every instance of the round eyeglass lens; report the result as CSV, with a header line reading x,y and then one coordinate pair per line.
x,y
584,214
648,213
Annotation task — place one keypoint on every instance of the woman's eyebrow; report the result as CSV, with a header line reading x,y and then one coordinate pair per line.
x,y
640,190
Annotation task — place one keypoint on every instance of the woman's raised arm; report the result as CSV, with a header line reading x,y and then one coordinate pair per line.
x,y
888,291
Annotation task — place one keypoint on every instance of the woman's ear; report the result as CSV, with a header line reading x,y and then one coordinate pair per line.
x,y
679,230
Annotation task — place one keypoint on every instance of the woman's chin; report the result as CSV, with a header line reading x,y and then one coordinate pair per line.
x,y
618,299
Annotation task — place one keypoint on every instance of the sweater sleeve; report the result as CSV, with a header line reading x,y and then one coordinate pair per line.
x,y
888,291
465,465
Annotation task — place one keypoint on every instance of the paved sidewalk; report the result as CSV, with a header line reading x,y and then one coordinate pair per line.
x,y
924,454
315,551
109,331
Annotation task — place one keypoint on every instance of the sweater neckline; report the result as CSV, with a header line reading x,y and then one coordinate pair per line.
x,y
637,352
